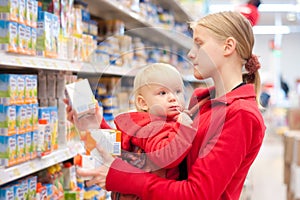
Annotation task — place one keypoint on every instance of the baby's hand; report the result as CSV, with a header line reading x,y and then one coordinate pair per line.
x,y
184,119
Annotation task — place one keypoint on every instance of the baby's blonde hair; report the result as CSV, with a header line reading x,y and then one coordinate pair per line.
x,y
156,73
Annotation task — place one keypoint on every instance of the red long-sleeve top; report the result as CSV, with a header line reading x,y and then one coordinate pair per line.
x,y
153,134
230,132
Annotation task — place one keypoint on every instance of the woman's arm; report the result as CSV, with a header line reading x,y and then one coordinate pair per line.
x,y
225,158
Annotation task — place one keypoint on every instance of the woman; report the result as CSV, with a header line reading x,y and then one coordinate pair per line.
x,y
230,128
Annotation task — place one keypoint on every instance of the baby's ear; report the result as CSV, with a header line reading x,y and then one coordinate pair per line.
x,y
141,103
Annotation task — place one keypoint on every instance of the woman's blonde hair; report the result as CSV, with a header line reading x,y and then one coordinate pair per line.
x,y
156,73
233,24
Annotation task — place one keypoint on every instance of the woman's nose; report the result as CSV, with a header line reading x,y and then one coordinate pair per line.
x,y
190,54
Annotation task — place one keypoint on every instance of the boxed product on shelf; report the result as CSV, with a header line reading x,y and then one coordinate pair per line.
x,y
44,34
33,146
8,120
20,89
23,40
21,11
28,117
32,43
8,154
9,36
8,89
20,138
28,144
7,192
21,118
9,10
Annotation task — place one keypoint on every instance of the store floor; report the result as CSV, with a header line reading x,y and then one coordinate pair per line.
x,y
265,177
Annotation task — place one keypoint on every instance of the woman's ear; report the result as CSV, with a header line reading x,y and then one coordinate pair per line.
x,y
141,103
229,46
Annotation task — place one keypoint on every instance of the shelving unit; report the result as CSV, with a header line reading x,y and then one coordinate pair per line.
x,y
64,153
108,9
137,25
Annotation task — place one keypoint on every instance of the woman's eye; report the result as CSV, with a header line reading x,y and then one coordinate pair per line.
x,y
178,91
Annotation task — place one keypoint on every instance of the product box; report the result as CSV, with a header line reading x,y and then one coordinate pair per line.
x,y
8,89
9,36
44,37
21,9
9,10
32,44
20,89
35,116
28,50
33,147
85,162
7,193
32,182
28,117
30,89
109,139
8,147
8,120
293,117
83,102
54,126
18,192
23,43
20,148
28,144
21,118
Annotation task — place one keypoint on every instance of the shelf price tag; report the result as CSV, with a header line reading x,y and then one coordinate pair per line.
x,y
33,62
18,61
32,166
16,172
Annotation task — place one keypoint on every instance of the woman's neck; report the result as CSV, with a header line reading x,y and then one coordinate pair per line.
x,y
227,81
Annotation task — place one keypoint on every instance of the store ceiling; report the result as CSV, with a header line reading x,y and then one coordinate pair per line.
x,y
272,12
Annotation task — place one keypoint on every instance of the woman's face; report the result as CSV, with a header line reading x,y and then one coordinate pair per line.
x,y
206,53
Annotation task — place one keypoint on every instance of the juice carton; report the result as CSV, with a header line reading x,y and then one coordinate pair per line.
x,y
69,173
34,118
8,152
28,49
7,193
9,36
44,38
33,147
54,126
20,89
34,88
28,144
86,162
9,10
28,117
28,89
32,44
55,34
83,101
34,13
109,139
32,182
8,89
23,42
44,113
20,148
8,120
21,118
18,191
28,12
22,11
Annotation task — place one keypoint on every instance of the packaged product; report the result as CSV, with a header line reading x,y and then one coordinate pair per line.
x,y
7,193
9,10
28,144
20,148
8,89
8,120
21,118
32,183
83,102
33,147
8,153
9,36
44,38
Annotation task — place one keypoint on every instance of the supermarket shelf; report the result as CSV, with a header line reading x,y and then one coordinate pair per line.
x,y
32,166
180,14
137,24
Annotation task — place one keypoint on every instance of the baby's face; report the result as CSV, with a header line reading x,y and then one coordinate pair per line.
x,y
164,100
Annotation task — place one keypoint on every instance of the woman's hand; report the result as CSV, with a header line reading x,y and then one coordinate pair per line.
x,y
99,174
88,121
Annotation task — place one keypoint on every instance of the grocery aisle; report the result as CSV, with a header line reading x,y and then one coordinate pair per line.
x,y
266,173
